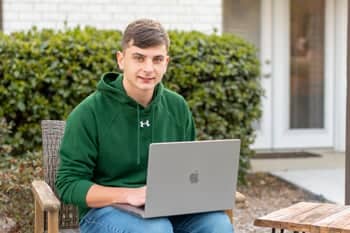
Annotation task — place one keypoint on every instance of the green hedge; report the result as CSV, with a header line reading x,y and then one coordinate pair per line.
x,y
44,74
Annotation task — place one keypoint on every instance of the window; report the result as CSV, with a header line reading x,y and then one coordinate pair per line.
x,y
307,64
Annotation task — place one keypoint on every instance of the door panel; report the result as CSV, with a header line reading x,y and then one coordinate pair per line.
x,y
302,83
307,64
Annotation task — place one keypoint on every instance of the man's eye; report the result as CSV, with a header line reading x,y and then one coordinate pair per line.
x,y
139,58
158,59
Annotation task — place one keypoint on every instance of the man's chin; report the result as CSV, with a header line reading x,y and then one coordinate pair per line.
x,y
147,87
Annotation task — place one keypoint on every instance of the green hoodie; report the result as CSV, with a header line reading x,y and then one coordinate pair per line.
x,y
107,137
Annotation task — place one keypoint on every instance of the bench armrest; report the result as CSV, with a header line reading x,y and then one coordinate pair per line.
x,y
45,196
45,200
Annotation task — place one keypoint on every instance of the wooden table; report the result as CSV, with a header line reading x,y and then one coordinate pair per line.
x,y
309,217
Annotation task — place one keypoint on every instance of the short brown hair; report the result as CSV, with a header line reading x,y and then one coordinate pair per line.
x,y
145,33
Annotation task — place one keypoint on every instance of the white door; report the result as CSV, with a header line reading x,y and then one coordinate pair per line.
x,y
303,61
298,105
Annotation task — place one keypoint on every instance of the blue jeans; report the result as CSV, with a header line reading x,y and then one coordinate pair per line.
x,y
112,220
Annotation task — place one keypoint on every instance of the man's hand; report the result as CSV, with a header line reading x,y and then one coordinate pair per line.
x,y
137,196
100,196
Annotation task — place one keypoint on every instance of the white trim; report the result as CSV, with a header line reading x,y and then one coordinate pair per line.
x,y
280,69
329,66
340,77
264,135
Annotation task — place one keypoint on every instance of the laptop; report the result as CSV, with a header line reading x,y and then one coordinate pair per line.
x,y
189,177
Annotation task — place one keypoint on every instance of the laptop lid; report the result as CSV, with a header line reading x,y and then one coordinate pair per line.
x,y
191,177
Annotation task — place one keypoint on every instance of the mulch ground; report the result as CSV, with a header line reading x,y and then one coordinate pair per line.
x,y
266,193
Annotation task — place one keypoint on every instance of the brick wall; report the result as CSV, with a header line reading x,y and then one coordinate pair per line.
x,y
203,15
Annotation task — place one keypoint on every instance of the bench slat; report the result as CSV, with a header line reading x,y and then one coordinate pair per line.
x,y
305,221
309,217
337,222
279,218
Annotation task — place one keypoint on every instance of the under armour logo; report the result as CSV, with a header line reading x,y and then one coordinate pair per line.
x,y
146,123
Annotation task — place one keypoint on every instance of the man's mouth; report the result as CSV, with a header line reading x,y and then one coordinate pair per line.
x,y
146,78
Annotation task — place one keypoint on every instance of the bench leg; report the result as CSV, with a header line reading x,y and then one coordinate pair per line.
x,y
52,222
39,218
282,230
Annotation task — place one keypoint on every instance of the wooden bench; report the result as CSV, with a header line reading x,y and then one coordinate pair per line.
x,y
60,217
309,217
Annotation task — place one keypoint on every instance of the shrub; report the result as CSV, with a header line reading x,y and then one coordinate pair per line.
x,y
44,74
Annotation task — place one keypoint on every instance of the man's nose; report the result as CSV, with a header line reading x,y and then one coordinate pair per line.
x,y
148,65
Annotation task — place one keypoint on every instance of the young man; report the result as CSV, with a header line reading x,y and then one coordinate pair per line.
x,y
103,154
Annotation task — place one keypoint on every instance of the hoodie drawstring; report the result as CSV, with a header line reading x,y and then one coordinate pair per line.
x,y
152,125
138,136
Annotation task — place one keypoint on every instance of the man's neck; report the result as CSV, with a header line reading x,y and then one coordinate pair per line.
x,y
141,97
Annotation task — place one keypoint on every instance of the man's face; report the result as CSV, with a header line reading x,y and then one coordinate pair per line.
x,y
143,69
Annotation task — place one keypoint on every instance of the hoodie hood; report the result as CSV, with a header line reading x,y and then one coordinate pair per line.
x,y
112,84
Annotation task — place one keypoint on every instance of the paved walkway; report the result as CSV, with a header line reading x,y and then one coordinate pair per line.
x,y
323,175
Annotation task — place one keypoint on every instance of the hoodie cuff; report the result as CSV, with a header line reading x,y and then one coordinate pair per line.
x,y
80,192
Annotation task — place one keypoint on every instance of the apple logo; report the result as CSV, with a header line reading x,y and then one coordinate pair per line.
x,y
194,177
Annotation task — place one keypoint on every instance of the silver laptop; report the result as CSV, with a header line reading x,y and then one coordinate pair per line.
x,y
189,177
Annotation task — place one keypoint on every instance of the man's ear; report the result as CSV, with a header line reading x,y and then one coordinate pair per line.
x,y
120,60
167,59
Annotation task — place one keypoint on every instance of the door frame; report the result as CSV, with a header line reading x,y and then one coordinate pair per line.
x,y
264,134
274,132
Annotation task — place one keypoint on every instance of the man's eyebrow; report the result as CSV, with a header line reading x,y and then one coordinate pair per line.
x,y
138,54
142,55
